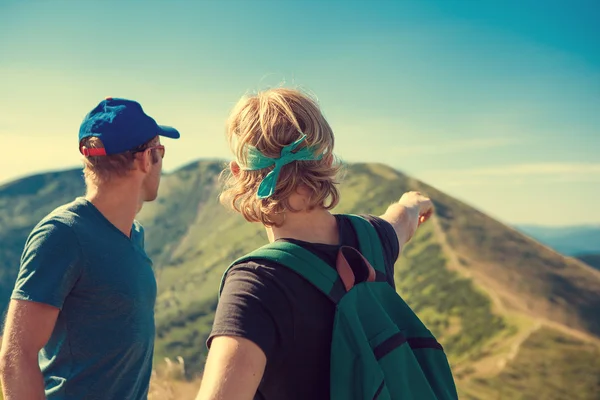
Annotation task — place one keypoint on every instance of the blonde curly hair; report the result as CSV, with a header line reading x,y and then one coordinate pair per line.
x,y
269,121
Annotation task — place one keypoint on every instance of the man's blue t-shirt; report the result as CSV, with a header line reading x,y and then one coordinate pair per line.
x,y
104,285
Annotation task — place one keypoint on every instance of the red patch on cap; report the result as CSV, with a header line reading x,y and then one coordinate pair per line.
x,y
108,98
93,152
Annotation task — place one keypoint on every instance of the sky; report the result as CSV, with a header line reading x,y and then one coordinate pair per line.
x,y
495,103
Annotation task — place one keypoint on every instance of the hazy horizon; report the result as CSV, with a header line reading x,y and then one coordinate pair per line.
x,y
166,172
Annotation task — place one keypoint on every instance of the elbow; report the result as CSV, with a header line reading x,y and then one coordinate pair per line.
x,y
7,364
14,360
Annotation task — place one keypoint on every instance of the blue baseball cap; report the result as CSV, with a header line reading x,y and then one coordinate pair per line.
x,y
121,125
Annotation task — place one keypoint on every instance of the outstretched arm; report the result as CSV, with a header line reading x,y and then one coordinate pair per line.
x,y
407,214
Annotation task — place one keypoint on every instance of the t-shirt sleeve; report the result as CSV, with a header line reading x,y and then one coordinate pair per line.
x,y
252,306
389,241
50,265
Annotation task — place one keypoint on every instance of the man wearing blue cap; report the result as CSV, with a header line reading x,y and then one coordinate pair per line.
x,y
80,324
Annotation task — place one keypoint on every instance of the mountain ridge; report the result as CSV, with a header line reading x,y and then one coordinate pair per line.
x,y
573,240
503,305
593,260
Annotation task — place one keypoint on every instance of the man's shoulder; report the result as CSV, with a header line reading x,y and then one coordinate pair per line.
x,y
63,220
66,214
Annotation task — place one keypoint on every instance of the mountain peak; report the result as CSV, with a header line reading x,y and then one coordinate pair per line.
x,y
498,300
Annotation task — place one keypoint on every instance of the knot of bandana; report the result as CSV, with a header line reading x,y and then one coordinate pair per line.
x,y
256,160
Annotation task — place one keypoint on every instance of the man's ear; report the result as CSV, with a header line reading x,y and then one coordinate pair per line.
x,y
144,160
235,168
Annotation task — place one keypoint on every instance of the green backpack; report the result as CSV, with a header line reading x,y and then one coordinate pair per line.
x,y
379,349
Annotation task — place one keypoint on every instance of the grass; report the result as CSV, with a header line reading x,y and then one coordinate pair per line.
x,y
550,366
529,276
192,239
184,334
165,388
189,283
451,307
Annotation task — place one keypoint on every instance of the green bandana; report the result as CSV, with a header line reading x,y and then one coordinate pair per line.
x,y
256,160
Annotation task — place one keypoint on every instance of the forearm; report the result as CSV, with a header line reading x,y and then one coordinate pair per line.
x,y
223,383
28,327
233,370
402,220
21,379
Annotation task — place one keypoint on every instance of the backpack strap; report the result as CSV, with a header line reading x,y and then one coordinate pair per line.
x,y
313,268
369,242
301,261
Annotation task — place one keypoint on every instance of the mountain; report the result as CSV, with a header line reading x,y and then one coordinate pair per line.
x,y
569,240
592,260
517,319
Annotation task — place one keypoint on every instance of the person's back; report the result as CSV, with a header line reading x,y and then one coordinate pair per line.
x,y
104,332
290,319
272,334
80,323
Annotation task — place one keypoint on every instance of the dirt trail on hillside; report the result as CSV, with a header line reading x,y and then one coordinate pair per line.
x,y
503,300
504,303
455,264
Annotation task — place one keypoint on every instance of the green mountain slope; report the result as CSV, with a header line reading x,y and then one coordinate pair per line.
x,y
508,310
22,204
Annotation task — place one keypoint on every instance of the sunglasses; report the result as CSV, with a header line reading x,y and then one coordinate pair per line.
x,y
160,148
94,152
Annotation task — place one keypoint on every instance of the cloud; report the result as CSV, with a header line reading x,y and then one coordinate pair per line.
x,y
517,174
456,146
538,169
449,183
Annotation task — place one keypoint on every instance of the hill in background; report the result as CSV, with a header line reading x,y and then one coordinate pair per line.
x,y
592,260
569,240
518,320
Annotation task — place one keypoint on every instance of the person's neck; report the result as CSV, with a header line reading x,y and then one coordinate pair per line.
x,y
118,202
316,226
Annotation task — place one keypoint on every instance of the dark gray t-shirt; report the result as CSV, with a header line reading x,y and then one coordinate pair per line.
x,y
290,319
103,283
